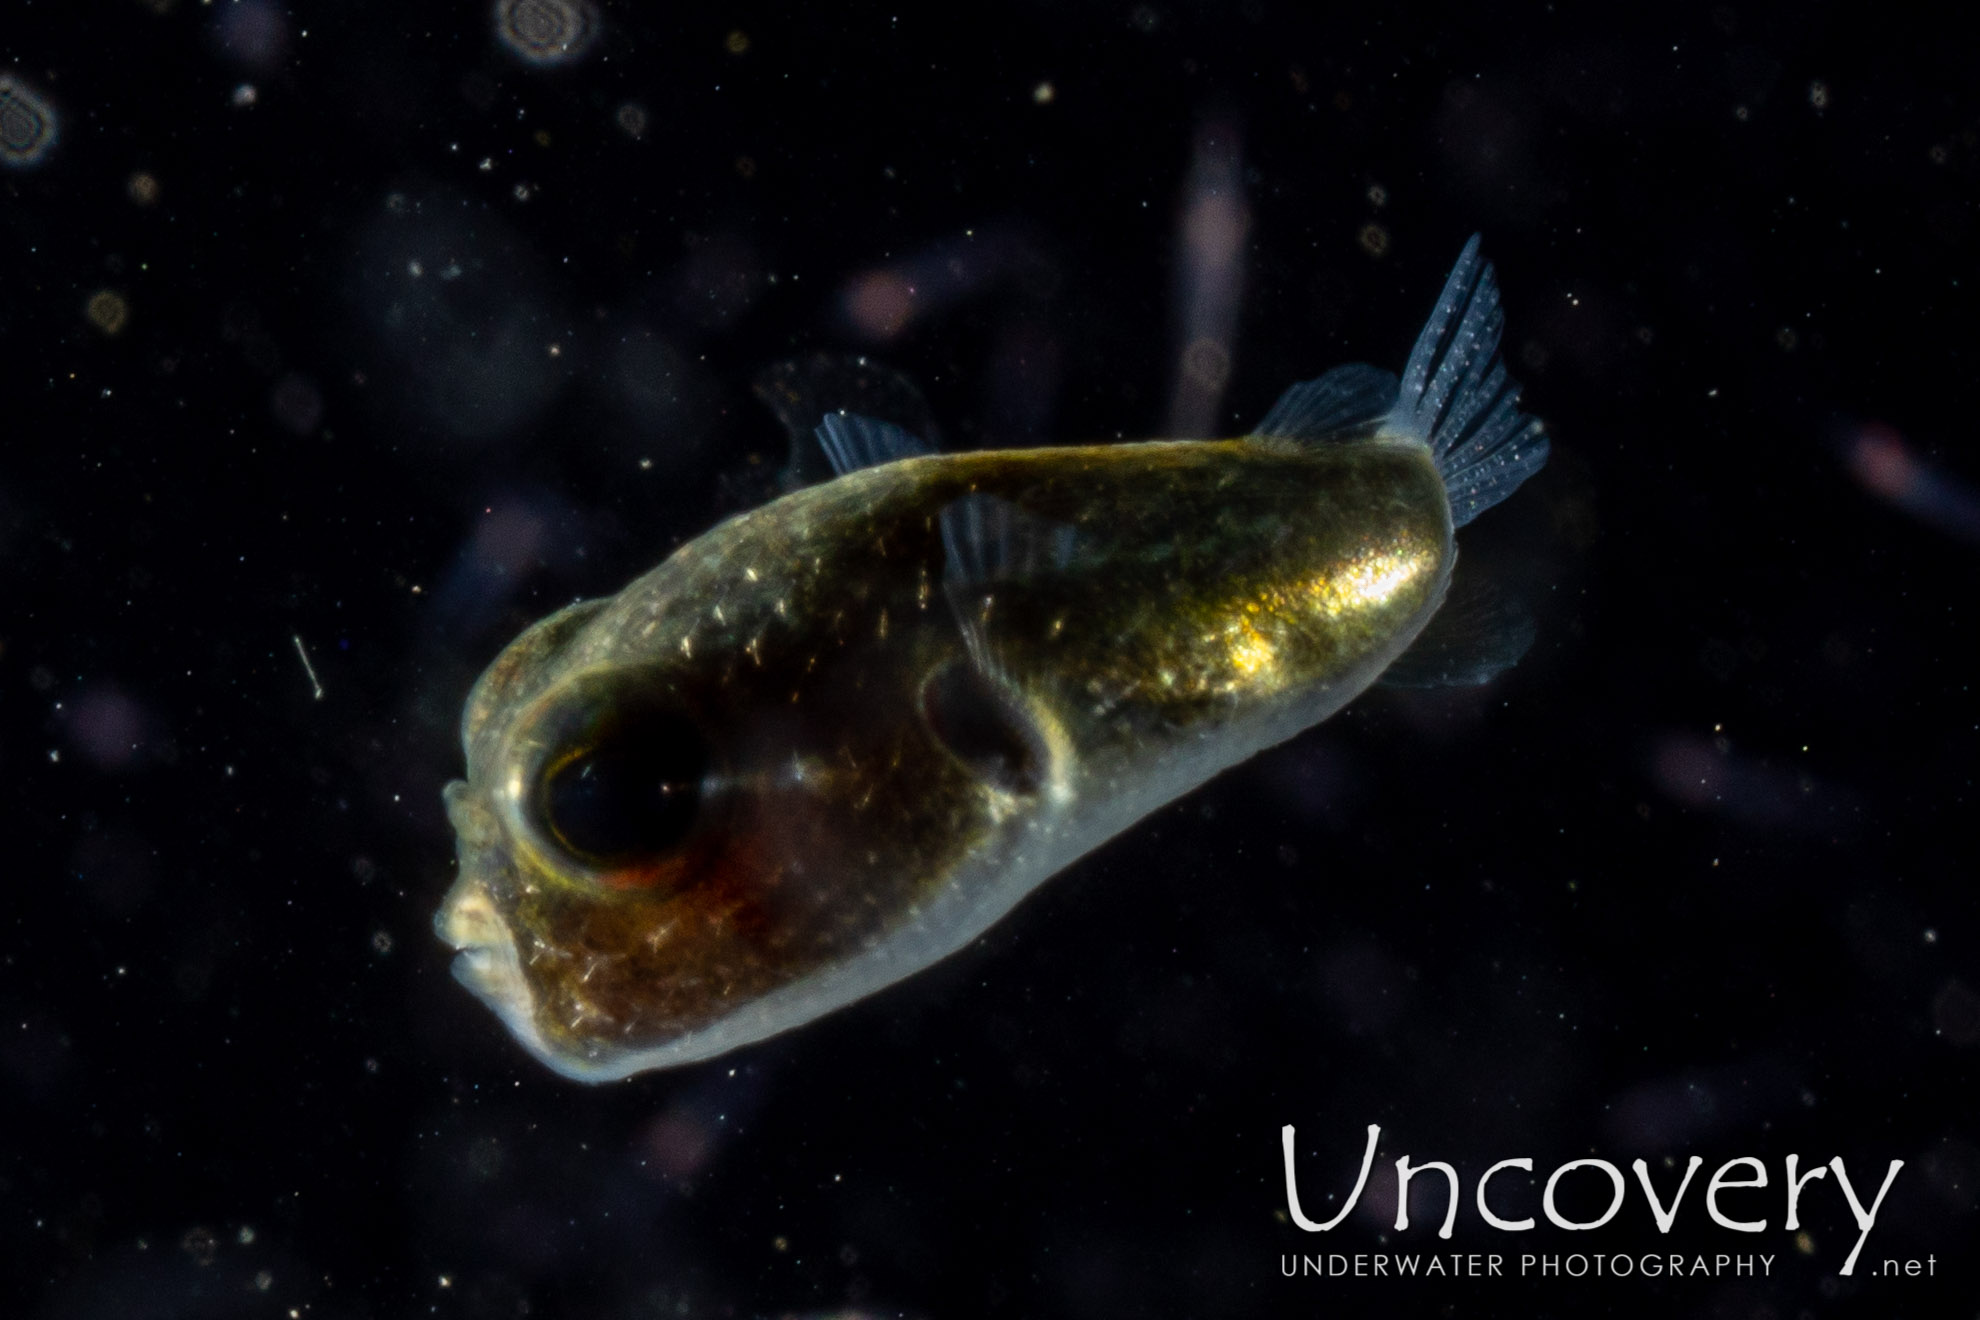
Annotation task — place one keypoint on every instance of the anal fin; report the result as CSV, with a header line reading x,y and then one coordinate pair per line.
x,y
1477,634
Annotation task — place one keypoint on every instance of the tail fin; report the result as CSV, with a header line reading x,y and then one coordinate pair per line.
x,y
1457,398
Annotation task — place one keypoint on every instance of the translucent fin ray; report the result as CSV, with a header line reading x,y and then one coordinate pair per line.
x,y
1341,401
988,542
1457,397
1476,635
803,389
853,442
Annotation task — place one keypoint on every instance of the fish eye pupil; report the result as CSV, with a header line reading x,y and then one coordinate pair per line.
x,y
631,792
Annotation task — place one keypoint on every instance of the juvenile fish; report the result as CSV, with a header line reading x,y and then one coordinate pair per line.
x,y
836,737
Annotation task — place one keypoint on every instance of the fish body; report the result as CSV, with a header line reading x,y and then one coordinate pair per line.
x,y
836,737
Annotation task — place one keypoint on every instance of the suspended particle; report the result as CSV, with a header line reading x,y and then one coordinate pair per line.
x,y
1374,239
27,123
201,1244
746,166
1786,338
252,33
737,42
142,188
478,90
1044,94
108,312
1207,362
1378,196
1938,153
1818,95
880,304
298,405
1742,113
244,96
546,31
632,120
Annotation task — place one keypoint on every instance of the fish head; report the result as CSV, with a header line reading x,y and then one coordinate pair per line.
x,y
667,851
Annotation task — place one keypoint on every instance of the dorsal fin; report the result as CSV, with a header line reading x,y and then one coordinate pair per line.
x,y
853,442
802,390
1333,406
1457,398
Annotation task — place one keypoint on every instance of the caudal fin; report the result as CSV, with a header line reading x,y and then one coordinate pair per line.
x,y
1457,398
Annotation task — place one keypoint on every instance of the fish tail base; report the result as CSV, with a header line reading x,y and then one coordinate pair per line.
x,y
1458,398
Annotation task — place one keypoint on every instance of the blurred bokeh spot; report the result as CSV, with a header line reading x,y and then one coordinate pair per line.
x,y
27,123
546,31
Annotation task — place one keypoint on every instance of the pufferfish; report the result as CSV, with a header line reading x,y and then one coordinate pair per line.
x,y
833,739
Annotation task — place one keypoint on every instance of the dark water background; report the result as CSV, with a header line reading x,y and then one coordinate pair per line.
x,y
410,341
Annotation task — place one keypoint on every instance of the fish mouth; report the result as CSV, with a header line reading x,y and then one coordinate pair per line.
x,y
487,962
470,921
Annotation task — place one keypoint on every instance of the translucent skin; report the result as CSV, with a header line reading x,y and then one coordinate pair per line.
x,y
1218,598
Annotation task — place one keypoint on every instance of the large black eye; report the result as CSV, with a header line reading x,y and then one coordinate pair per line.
x,y
629,789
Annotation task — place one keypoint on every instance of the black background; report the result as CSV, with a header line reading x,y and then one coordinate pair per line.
x,y
1694,878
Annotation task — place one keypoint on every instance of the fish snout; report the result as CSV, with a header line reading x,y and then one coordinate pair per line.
x,y
470,816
